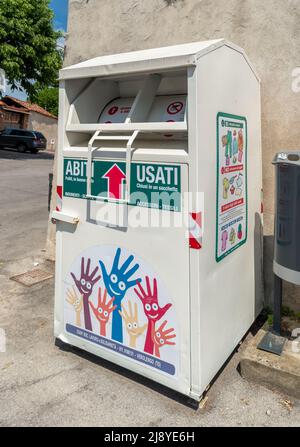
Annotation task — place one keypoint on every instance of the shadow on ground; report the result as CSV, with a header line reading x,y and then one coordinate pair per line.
x,y
171,394
113,367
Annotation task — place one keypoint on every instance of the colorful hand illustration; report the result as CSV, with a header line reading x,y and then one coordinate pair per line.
x,y
152,310
130,318
85,286
162,337
117,282
103,310
76,302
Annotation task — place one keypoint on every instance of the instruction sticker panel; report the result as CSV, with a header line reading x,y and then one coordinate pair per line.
x,y
232,204
152,185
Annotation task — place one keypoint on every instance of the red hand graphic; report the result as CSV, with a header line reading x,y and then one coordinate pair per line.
x,y
152,309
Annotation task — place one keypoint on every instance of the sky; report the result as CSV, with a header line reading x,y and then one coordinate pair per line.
x,y
60,9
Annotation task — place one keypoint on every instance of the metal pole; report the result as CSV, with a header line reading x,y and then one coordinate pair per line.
x,y
277,304
50,190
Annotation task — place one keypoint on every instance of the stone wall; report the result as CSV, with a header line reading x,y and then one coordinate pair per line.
x,y
47,126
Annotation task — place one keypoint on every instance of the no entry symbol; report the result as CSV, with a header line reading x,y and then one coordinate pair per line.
x,y
175,107
113,110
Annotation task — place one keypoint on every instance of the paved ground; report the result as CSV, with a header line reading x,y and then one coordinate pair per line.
x,y
42,385
23,202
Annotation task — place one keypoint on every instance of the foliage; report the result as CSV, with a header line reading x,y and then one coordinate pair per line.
x,y
28,44
47,98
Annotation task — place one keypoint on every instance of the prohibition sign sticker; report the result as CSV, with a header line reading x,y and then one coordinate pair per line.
x,y
113,110
175,107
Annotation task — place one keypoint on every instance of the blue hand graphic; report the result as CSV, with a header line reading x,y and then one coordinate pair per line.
x,y
117,282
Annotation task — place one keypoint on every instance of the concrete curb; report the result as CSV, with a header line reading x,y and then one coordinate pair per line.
x,y
281,373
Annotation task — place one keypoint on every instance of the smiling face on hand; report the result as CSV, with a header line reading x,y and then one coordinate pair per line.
x,y
157,338
132,328
149,299
87,280
85,286
151,308
130,317
104,307
163,336
117,285
102,314
118,281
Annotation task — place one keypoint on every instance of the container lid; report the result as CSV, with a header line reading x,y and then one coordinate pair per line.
x,y
150,60
292,158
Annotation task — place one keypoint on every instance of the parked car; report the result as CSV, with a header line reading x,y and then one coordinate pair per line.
x,y
23,140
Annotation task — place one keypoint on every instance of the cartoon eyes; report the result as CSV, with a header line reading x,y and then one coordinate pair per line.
x,y
114,278
105,313
154,307
88,285
129,325
122,286
161,340
135,325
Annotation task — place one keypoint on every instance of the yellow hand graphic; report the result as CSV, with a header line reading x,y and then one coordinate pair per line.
x,y
130,318
76,302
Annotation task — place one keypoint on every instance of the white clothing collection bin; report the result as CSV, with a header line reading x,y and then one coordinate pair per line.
x,y
137,132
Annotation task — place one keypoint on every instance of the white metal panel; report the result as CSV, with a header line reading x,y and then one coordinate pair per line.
x,y
161,252
130,127
168,57
228,301
194,186
223,297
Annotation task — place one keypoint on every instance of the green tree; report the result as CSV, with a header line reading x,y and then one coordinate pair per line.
x,y
47,98
28,44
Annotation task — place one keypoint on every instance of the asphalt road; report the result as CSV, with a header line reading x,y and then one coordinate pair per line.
x,y
43,385
23,202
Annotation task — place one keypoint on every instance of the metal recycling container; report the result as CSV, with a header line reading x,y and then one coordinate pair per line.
x,y
158,204
287,217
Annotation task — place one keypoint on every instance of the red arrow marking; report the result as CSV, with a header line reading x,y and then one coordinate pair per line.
x,y
175,107
115,177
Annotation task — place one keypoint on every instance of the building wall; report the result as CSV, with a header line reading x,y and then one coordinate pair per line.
x,y
46,125
10,119
268,31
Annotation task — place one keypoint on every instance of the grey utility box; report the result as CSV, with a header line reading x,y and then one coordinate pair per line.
x,y
287,217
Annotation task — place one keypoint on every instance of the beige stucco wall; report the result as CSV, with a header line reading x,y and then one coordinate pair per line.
x,y
46,125
268,30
